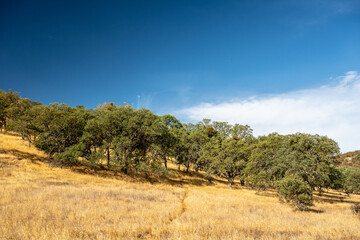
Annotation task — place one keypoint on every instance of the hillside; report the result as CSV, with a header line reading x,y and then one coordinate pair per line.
x,y
38,201
349,159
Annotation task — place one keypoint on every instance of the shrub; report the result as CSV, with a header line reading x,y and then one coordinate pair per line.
x,y
352,179
336,177
261,181
69,157
296,192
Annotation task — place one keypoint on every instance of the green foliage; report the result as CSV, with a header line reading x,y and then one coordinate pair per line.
x,y
260,181
223,129
152,168
310,157
225,158
139,140
69,157
242,132
60,128
295,191
126,136
94,158
7,102
351,179
336,177
265,164
171,121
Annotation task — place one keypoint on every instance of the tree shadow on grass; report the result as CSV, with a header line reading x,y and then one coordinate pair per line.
x,y
267,193
313,210
20,155
175,178
329,197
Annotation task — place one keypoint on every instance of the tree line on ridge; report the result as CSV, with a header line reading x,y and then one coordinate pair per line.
x,y
125,139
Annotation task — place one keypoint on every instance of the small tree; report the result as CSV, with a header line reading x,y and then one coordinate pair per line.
x,y
227,158
295,191
351,179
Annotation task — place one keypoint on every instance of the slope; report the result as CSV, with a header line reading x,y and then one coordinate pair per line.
x,y
38,201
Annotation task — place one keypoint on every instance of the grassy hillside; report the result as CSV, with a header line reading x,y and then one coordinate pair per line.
x,y
38,201
349,159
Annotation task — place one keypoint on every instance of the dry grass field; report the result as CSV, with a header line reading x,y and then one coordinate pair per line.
x,y
38,201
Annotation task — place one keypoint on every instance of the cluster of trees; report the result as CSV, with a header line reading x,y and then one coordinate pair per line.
x,y
125,139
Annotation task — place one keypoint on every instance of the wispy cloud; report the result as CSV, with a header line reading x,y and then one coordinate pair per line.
x,y
332,110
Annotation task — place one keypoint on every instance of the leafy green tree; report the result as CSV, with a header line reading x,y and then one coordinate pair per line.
x,y
69,156
223,129
12,107
224,156
102,129
336,177
142,131
180,147
164,144
351,179
4,104
295,191
171,122
229,159
210,153
195,140
311,157
264,168
27,123
61,127
242,132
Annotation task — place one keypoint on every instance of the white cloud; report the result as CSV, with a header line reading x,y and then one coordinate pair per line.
x,y
331,110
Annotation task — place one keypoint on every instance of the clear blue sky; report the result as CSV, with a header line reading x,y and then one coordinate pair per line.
x,y
170,55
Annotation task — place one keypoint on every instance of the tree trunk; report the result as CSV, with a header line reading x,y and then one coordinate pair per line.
x,y
108,157
230,179
242,182
165,161
125,169
29,140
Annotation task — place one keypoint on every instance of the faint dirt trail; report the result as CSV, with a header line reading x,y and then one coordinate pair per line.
x,y
159,233
182,209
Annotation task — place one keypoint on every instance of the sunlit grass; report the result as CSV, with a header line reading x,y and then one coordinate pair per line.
x,y
38,201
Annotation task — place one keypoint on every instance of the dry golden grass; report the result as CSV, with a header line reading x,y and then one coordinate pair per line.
x,y
41,202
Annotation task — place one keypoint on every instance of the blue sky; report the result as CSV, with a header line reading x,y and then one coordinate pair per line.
x,y
177,56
